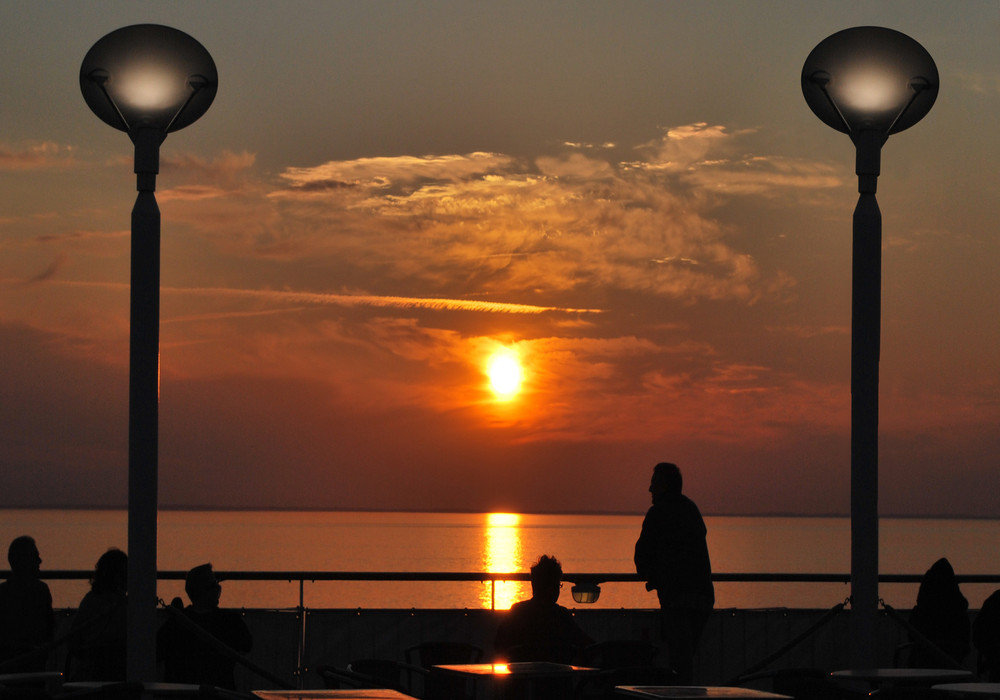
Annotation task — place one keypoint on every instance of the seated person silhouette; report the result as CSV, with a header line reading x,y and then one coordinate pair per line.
x,y
986,637
188,655
941,615
97,649
26,619
539,629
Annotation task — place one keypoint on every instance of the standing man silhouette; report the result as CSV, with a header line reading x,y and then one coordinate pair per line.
x,y
671,555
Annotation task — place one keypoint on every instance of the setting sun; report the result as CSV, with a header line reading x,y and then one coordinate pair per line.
x,y
504,371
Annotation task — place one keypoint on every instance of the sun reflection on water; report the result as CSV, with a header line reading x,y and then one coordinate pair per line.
x,y
502,554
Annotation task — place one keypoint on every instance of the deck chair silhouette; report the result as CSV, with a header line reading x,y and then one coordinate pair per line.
x,y
438,686
622,662
370,673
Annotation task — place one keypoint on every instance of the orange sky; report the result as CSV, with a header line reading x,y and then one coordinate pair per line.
x,y
634,198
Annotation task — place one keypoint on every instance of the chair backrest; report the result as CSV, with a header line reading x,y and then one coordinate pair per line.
x,y
379,673
620,653
335,678
809,684
541,651
436,653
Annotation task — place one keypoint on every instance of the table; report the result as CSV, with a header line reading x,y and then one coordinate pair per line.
x,y
697,692
29,677
341,694
530,671
522,669
153,689
988,689
912,676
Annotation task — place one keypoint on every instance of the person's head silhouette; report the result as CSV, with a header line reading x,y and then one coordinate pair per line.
x,y
111,572
666,479
23,556
546,579
202,587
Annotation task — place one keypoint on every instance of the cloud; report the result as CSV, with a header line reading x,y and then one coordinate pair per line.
x,y
228,176
706,159
507,228
37,156
380,301
297,299
102,237
410,270
680,147
49,272
980,83
805,332
226,165
191,193
580,145
770,177
575,165
385,172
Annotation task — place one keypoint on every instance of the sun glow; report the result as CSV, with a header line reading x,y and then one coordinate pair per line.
x,y
505,373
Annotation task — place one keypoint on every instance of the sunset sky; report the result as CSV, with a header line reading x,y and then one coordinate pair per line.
x,y
633,197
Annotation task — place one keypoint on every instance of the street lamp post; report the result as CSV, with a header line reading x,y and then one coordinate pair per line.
x,y
146,80
867,82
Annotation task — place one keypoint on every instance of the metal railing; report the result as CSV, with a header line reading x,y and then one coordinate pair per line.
x,y
303,577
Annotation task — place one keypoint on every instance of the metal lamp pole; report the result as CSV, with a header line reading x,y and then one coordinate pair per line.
x,y
867,82
144,407
146,80
866,313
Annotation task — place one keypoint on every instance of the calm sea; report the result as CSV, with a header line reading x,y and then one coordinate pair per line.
x,y
453,542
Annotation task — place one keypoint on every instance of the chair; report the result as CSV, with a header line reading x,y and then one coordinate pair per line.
x,y
623,662
901,654
211,692
369,673
907,692
618,653
435,653
541,651
125,690
810,684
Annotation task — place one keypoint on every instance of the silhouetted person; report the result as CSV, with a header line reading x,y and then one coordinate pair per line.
x,y
671,555
986,637
539,629
942,616
186,655
98,647
26,619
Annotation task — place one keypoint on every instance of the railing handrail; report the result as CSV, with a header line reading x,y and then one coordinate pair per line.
x,y
769,577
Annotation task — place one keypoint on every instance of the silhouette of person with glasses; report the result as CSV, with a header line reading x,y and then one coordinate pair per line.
x,y
188,655
539,629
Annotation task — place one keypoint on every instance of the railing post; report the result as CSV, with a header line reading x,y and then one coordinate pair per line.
x,y
299,671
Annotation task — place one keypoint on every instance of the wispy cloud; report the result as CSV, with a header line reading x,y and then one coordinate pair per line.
x,y
36,156
382,301
563,222
345,300
226,165
388,171
980,83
